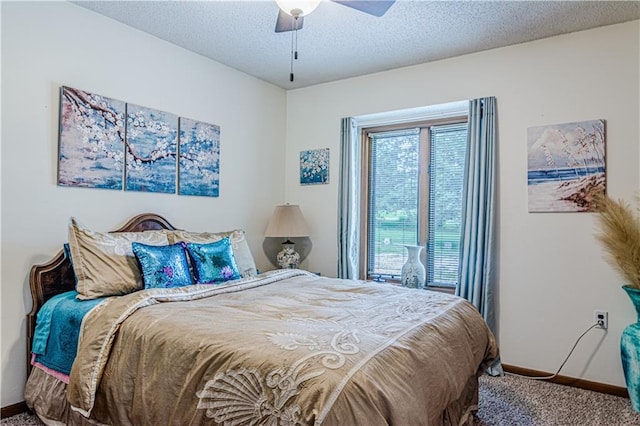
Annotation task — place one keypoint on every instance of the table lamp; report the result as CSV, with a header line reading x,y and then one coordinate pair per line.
x,y
287,222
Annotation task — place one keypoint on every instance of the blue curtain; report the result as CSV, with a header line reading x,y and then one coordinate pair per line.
x,y
349,202
477,248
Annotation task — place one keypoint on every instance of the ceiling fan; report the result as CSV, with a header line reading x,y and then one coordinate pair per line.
x,y
292,12
299,9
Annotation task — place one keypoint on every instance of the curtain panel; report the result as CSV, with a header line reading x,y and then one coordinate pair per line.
x,y
477,246
349,201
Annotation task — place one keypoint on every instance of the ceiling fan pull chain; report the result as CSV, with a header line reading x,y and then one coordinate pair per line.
x,y
296,31
294,43
293,21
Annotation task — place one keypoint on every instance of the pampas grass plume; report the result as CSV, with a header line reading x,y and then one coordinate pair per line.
x,y
619,233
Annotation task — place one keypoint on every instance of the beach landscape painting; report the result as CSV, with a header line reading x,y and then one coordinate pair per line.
x,y
91,140
566,166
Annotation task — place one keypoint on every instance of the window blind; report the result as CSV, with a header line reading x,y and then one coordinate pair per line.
x,y
446,173
393,199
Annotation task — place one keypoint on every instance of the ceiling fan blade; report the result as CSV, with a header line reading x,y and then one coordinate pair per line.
x,y
286,22
372,7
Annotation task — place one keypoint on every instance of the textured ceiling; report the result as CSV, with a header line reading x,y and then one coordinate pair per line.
x,y
338,42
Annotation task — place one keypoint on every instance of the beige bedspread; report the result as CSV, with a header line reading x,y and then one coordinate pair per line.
x,y
283,348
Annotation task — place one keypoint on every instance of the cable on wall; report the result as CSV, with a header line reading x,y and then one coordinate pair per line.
x,y
563,362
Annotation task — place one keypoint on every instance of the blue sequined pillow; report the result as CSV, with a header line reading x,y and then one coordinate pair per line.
x,y
213,262
162,266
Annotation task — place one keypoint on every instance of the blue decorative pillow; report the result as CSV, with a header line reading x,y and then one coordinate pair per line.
x,y
162,266
67,253
213,262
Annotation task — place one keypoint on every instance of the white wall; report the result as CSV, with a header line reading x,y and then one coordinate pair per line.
x,y
551,275
48,44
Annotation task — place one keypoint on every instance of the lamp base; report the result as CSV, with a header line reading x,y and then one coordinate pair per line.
x,y
288,258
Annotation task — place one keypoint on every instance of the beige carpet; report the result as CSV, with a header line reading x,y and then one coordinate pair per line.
x,y
515,401
512,400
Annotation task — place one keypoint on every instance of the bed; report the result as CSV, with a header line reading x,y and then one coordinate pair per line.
x,y
284,347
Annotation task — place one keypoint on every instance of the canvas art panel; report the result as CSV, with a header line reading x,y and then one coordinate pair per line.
x,y
199,168
314,166
91,140
566,166
151,150
107,143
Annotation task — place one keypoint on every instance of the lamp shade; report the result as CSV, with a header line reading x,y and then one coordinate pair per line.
x,y
287,221
301,7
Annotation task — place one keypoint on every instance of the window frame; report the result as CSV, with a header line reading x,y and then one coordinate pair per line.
x,y
423,188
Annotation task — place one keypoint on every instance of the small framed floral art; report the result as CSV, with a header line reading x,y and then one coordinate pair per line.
x,y
314,167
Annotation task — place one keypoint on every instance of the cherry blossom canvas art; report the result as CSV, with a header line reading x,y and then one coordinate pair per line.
x,y
151,150
91,140
107,143
314,166
199,158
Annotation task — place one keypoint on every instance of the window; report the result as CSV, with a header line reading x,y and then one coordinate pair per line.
x,y
413,175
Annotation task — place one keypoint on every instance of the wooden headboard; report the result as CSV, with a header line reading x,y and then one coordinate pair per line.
x,y
56,276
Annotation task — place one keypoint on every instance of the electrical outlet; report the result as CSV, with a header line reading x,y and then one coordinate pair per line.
x,y
602,319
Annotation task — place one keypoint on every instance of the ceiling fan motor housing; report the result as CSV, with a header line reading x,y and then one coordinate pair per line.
x,y
297,8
